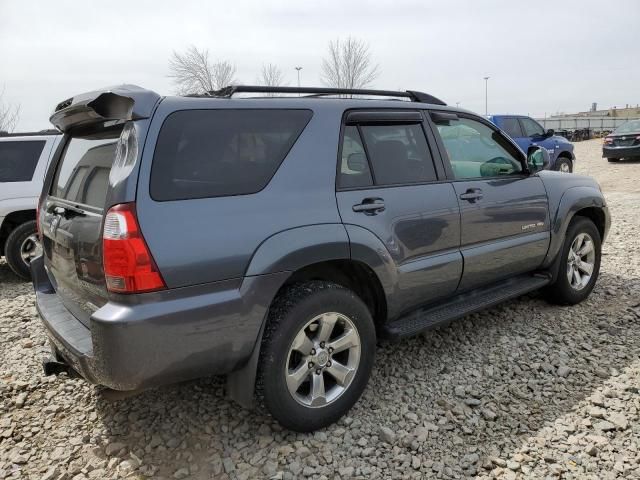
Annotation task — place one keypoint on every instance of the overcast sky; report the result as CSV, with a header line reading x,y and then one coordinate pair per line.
x,y
542,57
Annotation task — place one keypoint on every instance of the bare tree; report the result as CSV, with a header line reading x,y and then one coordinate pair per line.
x,y
349,64
271,76
194,72
9,115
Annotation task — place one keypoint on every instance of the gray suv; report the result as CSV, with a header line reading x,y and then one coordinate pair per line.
x,y
275,239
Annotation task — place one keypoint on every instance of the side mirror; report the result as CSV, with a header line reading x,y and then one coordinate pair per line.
x,y
357,162
537,158
550,133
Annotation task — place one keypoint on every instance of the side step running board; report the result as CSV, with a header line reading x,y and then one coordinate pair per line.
x,y
461,305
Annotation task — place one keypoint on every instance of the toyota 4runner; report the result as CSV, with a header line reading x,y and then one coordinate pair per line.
x,y
274,239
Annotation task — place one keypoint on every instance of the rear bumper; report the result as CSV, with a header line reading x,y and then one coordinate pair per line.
x,y
621,152
141,341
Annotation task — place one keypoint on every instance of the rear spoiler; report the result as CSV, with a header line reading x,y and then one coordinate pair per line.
x,y
111,104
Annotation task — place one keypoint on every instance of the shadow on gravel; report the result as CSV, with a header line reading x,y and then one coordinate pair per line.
x,y
452,396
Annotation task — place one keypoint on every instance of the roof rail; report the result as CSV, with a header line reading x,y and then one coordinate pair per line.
x,y
29,134
412,95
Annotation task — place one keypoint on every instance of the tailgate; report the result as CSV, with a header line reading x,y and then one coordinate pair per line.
x,y
71,221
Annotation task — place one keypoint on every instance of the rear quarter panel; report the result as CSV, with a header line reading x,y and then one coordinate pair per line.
x,y
210,239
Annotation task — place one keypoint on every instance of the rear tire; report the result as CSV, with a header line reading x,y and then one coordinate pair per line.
x,y
21,242
318,329
564,165
583,238
613,160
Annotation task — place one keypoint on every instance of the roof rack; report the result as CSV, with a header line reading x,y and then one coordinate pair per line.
x,y
412,95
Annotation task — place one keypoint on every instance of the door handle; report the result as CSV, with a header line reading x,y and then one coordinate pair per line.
x,y
370,206
471,195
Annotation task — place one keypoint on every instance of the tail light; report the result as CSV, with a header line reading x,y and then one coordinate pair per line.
x,y
608,140
128,264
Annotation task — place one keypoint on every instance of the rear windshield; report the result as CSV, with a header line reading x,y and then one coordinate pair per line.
x,y
18,160
629,127
82,176
213,153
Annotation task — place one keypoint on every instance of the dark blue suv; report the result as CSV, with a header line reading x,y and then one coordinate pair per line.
x,y
527,132
274,240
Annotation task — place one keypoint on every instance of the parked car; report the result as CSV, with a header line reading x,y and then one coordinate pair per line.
x,y
23,163
274,239
623,142
527,132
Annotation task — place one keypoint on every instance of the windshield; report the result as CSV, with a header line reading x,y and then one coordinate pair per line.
x,y
629,127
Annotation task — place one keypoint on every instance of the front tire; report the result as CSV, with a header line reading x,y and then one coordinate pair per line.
x,y
317,354
579,264
564,165
20,248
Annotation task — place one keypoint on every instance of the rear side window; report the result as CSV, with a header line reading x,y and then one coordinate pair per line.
x,y
18,160
82,175
213,153
512,127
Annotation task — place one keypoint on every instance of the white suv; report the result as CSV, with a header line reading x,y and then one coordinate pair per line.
x,y
23,163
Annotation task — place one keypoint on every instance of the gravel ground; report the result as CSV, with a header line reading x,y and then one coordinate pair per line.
x,y
524,390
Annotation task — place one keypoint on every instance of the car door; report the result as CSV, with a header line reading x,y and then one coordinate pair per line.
x,y
504,210
388,185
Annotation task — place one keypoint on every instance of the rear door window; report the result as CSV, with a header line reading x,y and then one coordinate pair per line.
x,y
354,167
213,153
82,175
18,160
399,154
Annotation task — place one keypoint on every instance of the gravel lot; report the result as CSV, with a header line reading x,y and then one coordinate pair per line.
x,y
524,390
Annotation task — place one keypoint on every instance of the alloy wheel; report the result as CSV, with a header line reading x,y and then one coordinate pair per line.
x,y
323,359
29,248
581,261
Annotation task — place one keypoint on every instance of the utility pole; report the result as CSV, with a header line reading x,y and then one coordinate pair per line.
x,y
298,69
486,96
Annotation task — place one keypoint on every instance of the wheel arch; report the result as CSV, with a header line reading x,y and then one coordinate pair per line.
x,y
576,201
318,252
13,220
566,154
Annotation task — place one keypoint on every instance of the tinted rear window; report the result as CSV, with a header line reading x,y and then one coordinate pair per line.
x,y
82,175
213,153
18,160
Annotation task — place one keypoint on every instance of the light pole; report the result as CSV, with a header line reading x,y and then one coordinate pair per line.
x,y
298,69
486,90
